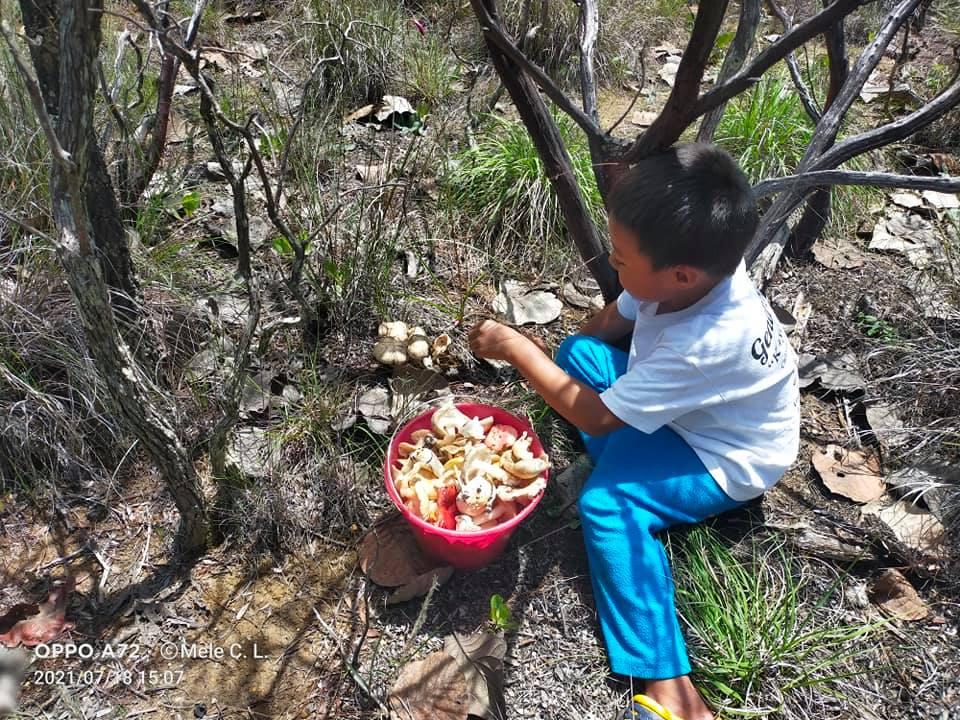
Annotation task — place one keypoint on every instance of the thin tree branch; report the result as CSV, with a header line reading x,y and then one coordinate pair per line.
x,y
675,115
36,98
589,28
789,42
736,55
853,177
803,92
891,132
491,28
636,95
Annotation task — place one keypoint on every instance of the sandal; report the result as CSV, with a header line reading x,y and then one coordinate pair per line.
x,y
645,708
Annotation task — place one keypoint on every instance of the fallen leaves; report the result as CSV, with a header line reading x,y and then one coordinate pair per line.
x,y
918,529
464,679
851,473
521,305
32,625
390,556
834,372
894,594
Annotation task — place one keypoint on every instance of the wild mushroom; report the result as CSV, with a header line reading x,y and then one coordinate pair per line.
x,y
475,497
524,469
440,345
447,419
521,494
418,346
396,329
390,351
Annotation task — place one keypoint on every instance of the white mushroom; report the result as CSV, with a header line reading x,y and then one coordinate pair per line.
x,y
465,523
447,419
440,345
475,497
525,469
425,457
418,346
521,448
521,494
390,351
397,330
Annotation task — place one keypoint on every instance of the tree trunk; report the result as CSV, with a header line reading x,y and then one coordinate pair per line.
x,y
41,25
143,407
546,138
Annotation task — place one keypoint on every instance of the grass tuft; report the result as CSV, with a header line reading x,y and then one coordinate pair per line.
x,y
501,184
762,634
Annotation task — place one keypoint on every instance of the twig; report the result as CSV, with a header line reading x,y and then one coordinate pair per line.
x,y
636,95
855,177
354,673
806,97
589,22
492,29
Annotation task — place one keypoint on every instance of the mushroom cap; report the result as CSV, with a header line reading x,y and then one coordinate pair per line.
x,y
396,329
418,347
389,351
440,345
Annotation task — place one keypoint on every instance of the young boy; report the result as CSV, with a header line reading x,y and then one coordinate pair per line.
x,y
699,417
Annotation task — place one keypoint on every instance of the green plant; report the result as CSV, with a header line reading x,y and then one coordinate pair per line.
x,y
500,614
501,184
766,129
430,72
761,634
877,328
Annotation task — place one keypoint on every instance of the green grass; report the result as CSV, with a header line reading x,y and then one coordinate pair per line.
x,y
500,184
766,129
761,634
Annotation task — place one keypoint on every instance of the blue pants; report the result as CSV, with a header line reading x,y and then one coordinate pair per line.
x,y
640,485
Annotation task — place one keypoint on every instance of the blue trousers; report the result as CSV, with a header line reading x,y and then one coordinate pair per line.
x,y
641,484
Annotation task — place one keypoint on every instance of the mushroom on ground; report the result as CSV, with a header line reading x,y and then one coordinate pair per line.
x,y
390,351
418,346
396,329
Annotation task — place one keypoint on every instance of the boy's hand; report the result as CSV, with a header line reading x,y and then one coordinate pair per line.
x,y
495,341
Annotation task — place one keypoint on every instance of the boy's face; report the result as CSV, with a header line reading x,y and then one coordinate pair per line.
x,y
636,272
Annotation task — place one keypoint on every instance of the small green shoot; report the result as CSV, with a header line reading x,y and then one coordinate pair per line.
x,y
877,328
500,614
190,202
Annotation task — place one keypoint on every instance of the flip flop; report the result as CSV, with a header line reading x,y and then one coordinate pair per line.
x,y
645,708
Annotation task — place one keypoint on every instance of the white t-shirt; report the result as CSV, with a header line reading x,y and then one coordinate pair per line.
x,y
722,375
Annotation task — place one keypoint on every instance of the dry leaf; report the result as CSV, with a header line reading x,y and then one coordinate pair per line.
x,y
941,201
841,256
420,585
389,554
906,199
914,527
32,625
851,473
430,689
358,114
835,372
376,174
522,306
480,657
643,118
896,596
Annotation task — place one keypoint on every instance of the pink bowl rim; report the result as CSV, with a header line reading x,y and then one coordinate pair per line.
x,y
497,530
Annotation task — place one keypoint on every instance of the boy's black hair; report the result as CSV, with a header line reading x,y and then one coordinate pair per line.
x,y
690,205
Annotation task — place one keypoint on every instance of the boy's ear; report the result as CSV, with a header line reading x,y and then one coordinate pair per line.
x,y
686,276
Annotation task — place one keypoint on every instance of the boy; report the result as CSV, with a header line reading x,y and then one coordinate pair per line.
x,y
699,417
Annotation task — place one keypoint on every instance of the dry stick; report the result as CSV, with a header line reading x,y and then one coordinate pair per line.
x,y
806,97
491,28
676,113
636,95
736,55
852,177
589,22
769,237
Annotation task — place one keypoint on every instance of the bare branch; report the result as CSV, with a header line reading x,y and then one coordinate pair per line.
x,y
491,28
775,53
803,92
852,177
636,95
736,55
36,98
589,27
676,113
891,132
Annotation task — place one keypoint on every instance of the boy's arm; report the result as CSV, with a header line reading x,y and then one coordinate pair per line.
x,y
608,324
577,402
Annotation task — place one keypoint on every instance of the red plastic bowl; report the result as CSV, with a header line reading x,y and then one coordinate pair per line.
x,y
465,550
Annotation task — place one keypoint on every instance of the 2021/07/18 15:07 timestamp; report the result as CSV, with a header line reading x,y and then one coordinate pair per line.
x,y
119,676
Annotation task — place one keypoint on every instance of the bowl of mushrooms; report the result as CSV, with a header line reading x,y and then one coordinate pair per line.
x,y
465,476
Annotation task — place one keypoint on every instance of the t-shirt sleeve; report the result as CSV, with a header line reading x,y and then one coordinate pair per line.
x,y
658,389
627,305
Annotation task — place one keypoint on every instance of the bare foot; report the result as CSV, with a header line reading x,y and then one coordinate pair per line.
x,y
680,697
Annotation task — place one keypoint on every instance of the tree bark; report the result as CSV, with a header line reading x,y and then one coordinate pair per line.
x,y
41,20
143,407
546,138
